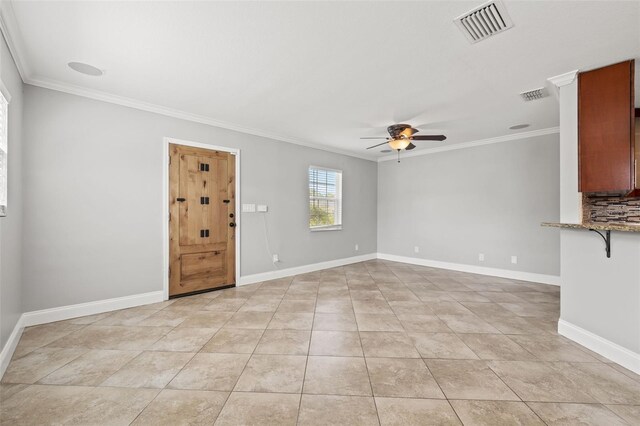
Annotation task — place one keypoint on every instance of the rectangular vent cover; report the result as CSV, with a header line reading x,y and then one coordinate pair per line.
x,y
484,21
532,95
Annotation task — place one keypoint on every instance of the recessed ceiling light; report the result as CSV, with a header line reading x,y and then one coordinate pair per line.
x,y
87,69
519,126
386,150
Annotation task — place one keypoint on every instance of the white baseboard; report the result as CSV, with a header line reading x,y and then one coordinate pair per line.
x,y
10,346
90,308
281,273
616,353
495,272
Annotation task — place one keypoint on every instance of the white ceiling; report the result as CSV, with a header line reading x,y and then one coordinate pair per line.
x,y
324,73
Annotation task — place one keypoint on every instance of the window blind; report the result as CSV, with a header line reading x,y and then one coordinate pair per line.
x,y
325,198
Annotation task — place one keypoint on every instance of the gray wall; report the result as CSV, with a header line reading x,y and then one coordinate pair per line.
x,y
11,225
93,199
488,199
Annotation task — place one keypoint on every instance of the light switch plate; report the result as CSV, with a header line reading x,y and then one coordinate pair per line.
x,y
262,208
248,208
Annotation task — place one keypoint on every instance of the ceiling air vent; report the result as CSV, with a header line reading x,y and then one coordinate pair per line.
x,y
532,95
484,21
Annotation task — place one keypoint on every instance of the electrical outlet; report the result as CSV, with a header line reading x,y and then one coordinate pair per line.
x,y
481,257
357,248
514,259
276,258
416,249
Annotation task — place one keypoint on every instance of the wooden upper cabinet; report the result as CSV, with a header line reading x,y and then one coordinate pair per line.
x,y
606,126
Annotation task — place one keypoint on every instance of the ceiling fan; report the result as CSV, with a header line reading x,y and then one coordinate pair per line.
x,y
401,136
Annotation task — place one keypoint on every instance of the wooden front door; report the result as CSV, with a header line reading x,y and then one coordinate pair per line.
x,y
201,219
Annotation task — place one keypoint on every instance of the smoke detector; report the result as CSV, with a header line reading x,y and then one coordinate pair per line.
x,y
484,21
535,94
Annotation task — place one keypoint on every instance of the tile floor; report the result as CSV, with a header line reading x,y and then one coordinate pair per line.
x,y
372,343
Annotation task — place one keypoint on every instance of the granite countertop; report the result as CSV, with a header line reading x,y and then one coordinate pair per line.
x,y
624,227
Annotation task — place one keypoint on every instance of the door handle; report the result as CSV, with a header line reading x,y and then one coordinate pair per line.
x,y
231,224
181,199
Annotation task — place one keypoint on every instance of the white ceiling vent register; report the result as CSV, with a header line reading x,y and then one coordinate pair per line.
x,y
484,21
532,95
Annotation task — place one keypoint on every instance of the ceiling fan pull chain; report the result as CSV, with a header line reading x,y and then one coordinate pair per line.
x,y
398,156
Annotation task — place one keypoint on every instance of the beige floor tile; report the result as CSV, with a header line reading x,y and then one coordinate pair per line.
x,y
234,340
210,371
126,317
273,373
297,306
469,379
332,306
250,408
372,307
91,368
89,319
337,410
378,322
185,339
496,346
336,376
605,384
42,335
441,345
205,319
334,322
7,390
382,344
395,377
112,337
410,308
284,342
335,343
537,381
250,320
164,318
423,323
552,348
39,363
287,321
114,406
630,413
183,407
406,411
467,324
495,413
260,304
39,404
226,304
575,414
149,370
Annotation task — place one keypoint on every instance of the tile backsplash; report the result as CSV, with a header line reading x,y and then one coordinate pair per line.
x,y
610,209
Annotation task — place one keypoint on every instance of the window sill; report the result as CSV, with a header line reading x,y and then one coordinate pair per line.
x,y
326,228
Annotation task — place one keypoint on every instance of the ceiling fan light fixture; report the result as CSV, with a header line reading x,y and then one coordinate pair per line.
x,y
399,143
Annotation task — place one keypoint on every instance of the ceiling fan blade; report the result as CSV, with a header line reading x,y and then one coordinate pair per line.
x,y
383,143
410,147
375,137
429,138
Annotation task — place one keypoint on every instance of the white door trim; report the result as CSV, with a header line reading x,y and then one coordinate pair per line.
x,y
165,204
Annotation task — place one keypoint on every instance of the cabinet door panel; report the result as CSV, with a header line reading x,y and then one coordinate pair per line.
x,y
605,123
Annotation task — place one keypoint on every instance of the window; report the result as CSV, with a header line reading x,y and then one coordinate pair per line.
x,y
325,199
4,107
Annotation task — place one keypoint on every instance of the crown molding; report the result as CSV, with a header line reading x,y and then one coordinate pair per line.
x,y
563,79
182,115
9,26
471,144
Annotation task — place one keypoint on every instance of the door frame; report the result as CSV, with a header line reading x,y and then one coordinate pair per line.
x,y
165,204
